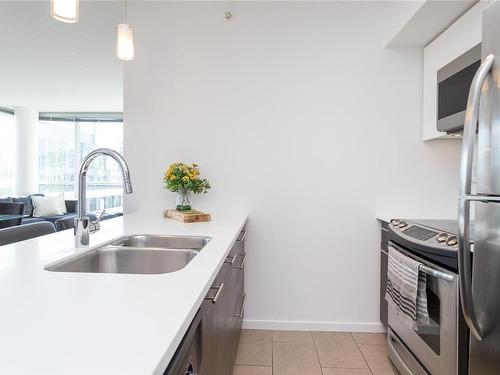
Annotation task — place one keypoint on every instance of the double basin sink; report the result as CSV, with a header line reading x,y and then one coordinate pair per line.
x,y
135,254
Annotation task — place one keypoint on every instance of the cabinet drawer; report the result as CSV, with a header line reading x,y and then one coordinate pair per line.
x,y
242,235
237,249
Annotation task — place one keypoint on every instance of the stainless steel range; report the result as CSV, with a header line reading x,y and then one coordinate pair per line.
x,y
440,346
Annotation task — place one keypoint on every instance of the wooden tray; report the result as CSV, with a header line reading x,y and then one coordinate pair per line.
x,y
190,216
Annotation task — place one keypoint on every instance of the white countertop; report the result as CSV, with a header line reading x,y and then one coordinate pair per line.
x,y
87,323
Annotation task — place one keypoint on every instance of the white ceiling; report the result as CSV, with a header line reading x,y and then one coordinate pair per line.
x,y
53,66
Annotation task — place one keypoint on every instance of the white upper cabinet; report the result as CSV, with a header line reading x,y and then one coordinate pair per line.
x,y
466,32
461,36
417,23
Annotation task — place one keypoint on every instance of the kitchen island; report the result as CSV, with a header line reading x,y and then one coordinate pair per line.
x,y
103,323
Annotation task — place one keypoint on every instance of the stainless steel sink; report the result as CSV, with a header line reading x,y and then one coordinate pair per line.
x,y
140,254
162,242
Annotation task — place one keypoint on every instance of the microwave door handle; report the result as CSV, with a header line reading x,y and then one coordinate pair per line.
x,y
464,256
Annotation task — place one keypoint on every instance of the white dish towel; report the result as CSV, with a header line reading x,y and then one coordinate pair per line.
x,y
406,288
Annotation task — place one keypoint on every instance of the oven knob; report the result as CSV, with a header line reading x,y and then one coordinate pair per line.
x,y
441,237
451,241
402,224
395,222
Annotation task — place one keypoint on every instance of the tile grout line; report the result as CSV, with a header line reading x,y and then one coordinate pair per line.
x,y
364,358
317,355
272,353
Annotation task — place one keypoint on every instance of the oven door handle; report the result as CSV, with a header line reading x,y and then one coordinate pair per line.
x,y
439,274
428,270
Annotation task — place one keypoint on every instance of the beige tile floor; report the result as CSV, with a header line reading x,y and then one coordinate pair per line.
x,y
312,353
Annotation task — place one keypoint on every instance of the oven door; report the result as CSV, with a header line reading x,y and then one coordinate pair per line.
x,y
434,345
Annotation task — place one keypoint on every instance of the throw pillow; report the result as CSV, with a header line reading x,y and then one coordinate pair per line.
x,y
50,205
28,205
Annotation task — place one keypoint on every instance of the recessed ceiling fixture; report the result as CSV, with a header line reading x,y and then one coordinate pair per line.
x,y
125,38
65,10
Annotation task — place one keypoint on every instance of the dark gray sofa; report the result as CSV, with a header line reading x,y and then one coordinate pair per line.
x,y
71,209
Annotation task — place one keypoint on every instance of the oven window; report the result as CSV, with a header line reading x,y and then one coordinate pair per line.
x,y
430,333
453,92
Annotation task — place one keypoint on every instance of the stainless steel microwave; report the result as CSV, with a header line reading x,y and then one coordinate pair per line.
x,y
453,83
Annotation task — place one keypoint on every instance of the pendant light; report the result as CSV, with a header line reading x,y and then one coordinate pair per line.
x,y
125,38
65,10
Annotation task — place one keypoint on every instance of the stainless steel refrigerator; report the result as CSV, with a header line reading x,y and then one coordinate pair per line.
x,y
480,271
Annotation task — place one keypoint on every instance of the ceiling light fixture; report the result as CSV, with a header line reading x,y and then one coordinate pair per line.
x,y
125,38
65,10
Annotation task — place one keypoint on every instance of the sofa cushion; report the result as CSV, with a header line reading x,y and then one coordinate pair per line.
x,y
28,203
71,206
5,200
108,216
54,218
31,219
65,223
25,232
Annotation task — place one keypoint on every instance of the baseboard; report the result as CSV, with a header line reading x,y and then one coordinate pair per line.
x,y
280,325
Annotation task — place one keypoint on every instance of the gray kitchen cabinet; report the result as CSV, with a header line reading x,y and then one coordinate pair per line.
x,y
384,258
223,314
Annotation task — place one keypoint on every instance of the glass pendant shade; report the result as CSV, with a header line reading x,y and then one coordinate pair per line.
x,y
64,10
125,42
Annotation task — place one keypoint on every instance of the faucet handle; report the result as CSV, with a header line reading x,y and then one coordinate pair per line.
x,y
95,225
99,218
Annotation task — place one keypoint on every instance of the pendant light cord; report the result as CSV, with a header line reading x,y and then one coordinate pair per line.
x,y
124,11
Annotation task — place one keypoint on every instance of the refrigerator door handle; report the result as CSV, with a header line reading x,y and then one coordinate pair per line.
x,y
464,256
470,125
481,198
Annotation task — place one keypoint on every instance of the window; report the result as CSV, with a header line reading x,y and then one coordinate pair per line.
x,y
7,152
57,157
63,146
104,178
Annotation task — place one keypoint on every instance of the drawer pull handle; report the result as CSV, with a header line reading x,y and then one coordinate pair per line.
x,y
231,260
240,314
242,238
218,293
242,264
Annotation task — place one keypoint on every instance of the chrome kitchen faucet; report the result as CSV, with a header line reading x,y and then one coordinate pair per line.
x,y
83,222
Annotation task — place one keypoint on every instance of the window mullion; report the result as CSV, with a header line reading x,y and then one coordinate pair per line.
x,y
77,160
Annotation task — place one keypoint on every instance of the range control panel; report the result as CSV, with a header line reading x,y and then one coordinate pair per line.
x,y
430,236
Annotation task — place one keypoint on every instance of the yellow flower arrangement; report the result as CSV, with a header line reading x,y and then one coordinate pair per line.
x,y
183,178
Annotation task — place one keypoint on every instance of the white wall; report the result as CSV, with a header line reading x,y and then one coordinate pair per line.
x,y
296,112
52,66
